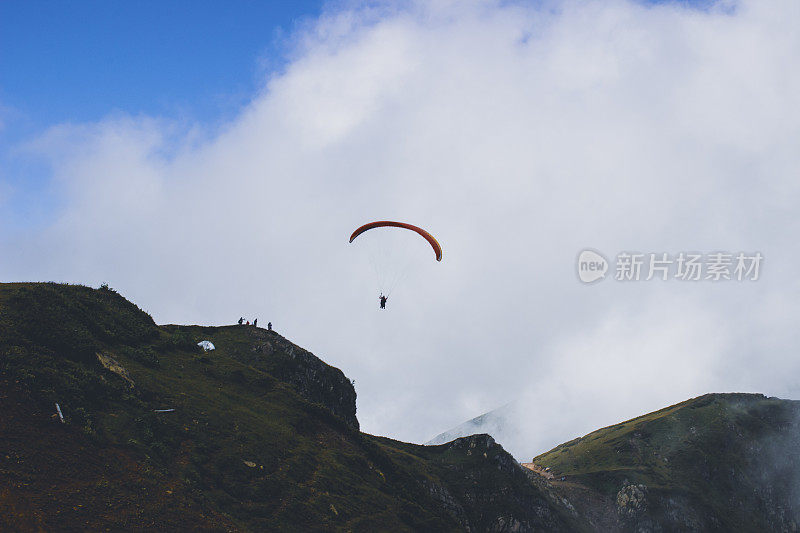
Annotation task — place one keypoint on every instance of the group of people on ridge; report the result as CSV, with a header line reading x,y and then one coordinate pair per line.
x,y
255,323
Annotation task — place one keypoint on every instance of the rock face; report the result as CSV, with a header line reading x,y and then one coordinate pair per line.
x,y
632,500
266,350
490,491
112,365
314,379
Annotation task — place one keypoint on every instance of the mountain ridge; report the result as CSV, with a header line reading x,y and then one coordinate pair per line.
x,y
256,434
260,434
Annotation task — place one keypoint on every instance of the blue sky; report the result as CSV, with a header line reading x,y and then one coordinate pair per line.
x,y
79,61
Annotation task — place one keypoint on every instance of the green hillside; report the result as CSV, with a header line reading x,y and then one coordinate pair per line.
x,y
263,435
725,462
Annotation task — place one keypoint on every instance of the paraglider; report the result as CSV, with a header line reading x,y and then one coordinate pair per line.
x,y
388,270
387,223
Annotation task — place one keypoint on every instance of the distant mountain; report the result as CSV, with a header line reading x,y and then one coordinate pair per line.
x,y
261,435
494,422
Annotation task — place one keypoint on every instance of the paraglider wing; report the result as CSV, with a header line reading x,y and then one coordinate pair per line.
x,y
384,223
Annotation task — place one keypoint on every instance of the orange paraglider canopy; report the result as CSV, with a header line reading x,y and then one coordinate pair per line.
x,y
384,223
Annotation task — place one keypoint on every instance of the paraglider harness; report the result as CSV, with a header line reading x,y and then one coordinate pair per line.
x,y
383,299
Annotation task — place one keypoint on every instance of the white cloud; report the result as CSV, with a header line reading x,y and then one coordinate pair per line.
x,y
660,352
518,135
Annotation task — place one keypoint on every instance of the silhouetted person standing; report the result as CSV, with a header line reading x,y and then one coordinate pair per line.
x,y
241,319
255,321
269,326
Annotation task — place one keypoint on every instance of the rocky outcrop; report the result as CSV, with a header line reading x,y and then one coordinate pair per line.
x,y
313,379
488,490
632,501
441,495
111,364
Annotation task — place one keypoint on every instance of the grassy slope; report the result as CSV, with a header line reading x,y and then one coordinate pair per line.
x,y
722,452
725,462
118,464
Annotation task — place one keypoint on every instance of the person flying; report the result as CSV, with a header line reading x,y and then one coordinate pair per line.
x,y
387,275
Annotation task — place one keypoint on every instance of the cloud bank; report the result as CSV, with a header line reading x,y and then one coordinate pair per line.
x,y
519,135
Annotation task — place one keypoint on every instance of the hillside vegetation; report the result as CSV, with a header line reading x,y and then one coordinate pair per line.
x,y
720,462
263,435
